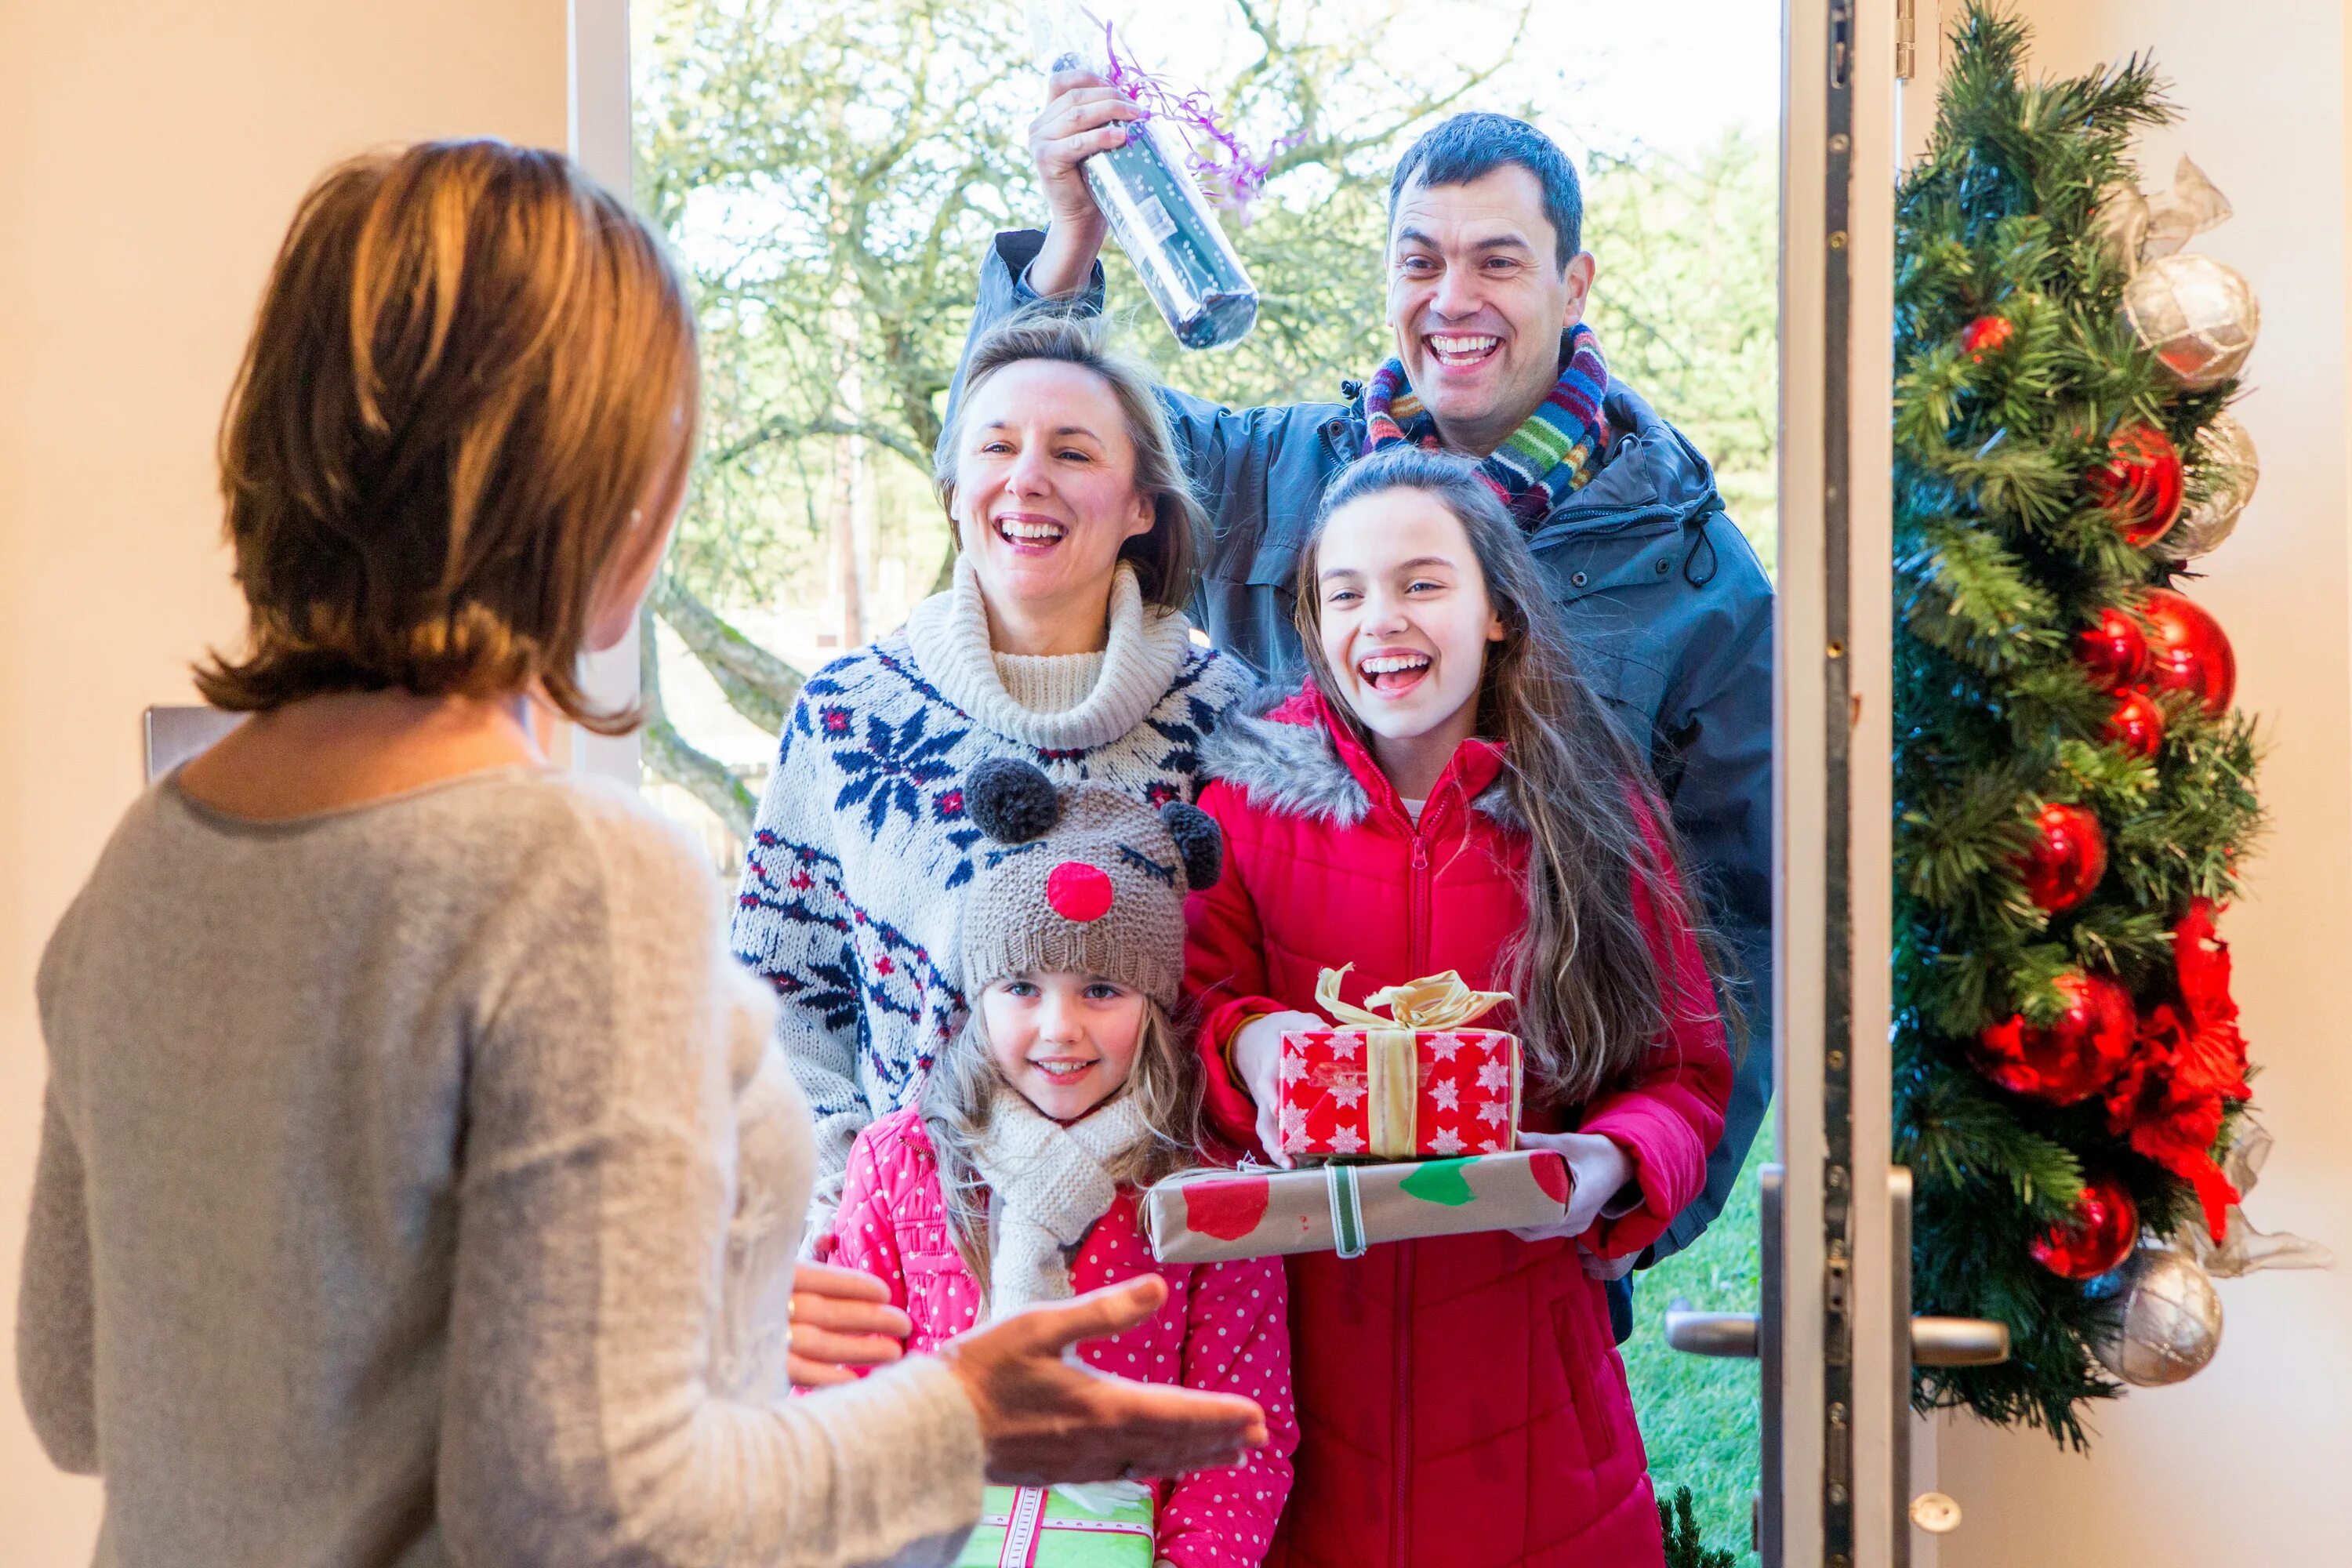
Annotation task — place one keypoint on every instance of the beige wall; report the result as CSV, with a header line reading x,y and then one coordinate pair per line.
x,y
2245,1462
153,153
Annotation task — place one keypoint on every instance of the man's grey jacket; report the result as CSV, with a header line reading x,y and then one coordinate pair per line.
x,y
1670,613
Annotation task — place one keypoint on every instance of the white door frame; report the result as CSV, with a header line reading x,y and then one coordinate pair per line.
x,y
1839,1368
601,139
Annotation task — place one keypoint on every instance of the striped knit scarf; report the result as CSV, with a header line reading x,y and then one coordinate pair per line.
x,y
1555,452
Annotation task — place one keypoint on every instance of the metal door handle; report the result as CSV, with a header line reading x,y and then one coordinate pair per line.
x,y
1712,1334
1935,1342
1957,1342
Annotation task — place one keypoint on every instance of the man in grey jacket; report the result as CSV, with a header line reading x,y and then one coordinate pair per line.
x,y
1670,612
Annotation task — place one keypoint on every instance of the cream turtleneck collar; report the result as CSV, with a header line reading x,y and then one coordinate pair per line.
x,y
1012,694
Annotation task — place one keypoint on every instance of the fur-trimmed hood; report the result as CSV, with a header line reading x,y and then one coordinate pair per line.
x,y
1278,746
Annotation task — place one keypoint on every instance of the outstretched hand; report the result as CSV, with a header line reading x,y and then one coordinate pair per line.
x,y
1045,1419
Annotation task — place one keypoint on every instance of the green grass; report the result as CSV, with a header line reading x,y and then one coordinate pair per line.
x,y
1699,1413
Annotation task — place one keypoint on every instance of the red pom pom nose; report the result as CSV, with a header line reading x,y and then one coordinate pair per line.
x,y
1078,891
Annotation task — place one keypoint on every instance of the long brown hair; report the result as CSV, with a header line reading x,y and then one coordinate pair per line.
x,y
1164,557
1166,1080
471,368
1591,999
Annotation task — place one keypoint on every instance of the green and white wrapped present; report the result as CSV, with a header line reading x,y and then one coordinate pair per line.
x,y
1105,1525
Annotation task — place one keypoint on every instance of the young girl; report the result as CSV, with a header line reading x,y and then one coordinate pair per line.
x,y
1013,1181
1445,792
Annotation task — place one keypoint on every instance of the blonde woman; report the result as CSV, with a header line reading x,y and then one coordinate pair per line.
x,y
412,1146
1061,643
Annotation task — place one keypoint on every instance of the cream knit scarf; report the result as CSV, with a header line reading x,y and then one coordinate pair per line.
x,y
1143,655
1047,1183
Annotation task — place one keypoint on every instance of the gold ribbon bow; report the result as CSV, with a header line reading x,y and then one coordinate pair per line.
x,y
1392,1062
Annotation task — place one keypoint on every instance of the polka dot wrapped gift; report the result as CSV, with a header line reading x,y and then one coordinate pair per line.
x,y
1415,1084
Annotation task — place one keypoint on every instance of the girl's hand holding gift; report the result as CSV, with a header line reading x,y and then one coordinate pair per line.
x,y
1257,1059
1598,1172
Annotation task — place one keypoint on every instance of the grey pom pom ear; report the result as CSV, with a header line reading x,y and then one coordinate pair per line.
x,y
1198,840
1011,800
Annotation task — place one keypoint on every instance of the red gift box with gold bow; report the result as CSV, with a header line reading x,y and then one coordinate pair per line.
x,y
1418,1083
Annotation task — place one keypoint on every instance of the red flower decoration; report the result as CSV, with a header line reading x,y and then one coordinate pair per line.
x,y
2191,1060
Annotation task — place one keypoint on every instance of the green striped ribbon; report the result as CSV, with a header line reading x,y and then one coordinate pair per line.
x,y
1346,1210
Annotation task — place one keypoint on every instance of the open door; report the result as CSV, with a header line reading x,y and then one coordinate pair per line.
x,y
1834,1329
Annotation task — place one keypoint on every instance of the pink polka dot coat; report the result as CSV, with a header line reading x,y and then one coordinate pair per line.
x,y
1224,1327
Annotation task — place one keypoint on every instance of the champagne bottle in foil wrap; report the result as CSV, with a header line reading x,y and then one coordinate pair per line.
x,y
1154,206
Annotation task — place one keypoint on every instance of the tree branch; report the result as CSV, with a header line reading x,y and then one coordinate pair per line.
x,y
784,428
673,758
758,684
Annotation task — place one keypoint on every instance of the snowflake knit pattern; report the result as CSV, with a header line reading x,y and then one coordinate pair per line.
x,y
849,896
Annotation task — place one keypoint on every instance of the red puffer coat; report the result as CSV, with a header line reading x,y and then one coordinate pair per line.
x,y
1461,1402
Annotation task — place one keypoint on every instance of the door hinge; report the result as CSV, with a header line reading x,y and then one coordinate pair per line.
x,y
1907,39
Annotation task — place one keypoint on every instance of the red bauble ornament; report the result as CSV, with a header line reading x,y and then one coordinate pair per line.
x,y
2065,1061
2105,1230
2114,653
1986,335
2137,724
2067,859
2141,488
2189,650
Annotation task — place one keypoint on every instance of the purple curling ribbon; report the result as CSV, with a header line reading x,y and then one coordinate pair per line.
x,y
1234,182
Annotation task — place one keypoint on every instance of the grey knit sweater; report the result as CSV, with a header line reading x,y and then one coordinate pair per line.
x,y
418,1184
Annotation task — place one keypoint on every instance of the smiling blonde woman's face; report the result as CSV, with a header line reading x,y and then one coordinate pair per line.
x,y
1046,494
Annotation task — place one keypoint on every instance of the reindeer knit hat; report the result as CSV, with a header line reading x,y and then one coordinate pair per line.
x,y
1080,879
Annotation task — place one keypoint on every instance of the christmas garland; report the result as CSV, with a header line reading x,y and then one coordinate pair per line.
x,y
2073,791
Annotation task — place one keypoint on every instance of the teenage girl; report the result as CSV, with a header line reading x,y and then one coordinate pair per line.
x,y
1014,1179
1444,792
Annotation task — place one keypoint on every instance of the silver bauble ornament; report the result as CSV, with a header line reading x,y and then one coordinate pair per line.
x,y
2223,471
2195,315
2169,1322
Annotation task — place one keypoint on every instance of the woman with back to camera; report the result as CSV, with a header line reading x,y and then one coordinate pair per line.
x,y
417,1182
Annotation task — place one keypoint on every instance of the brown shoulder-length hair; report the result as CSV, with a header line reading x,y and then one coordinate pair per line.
x,y
1592,999
472,366
1163,558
